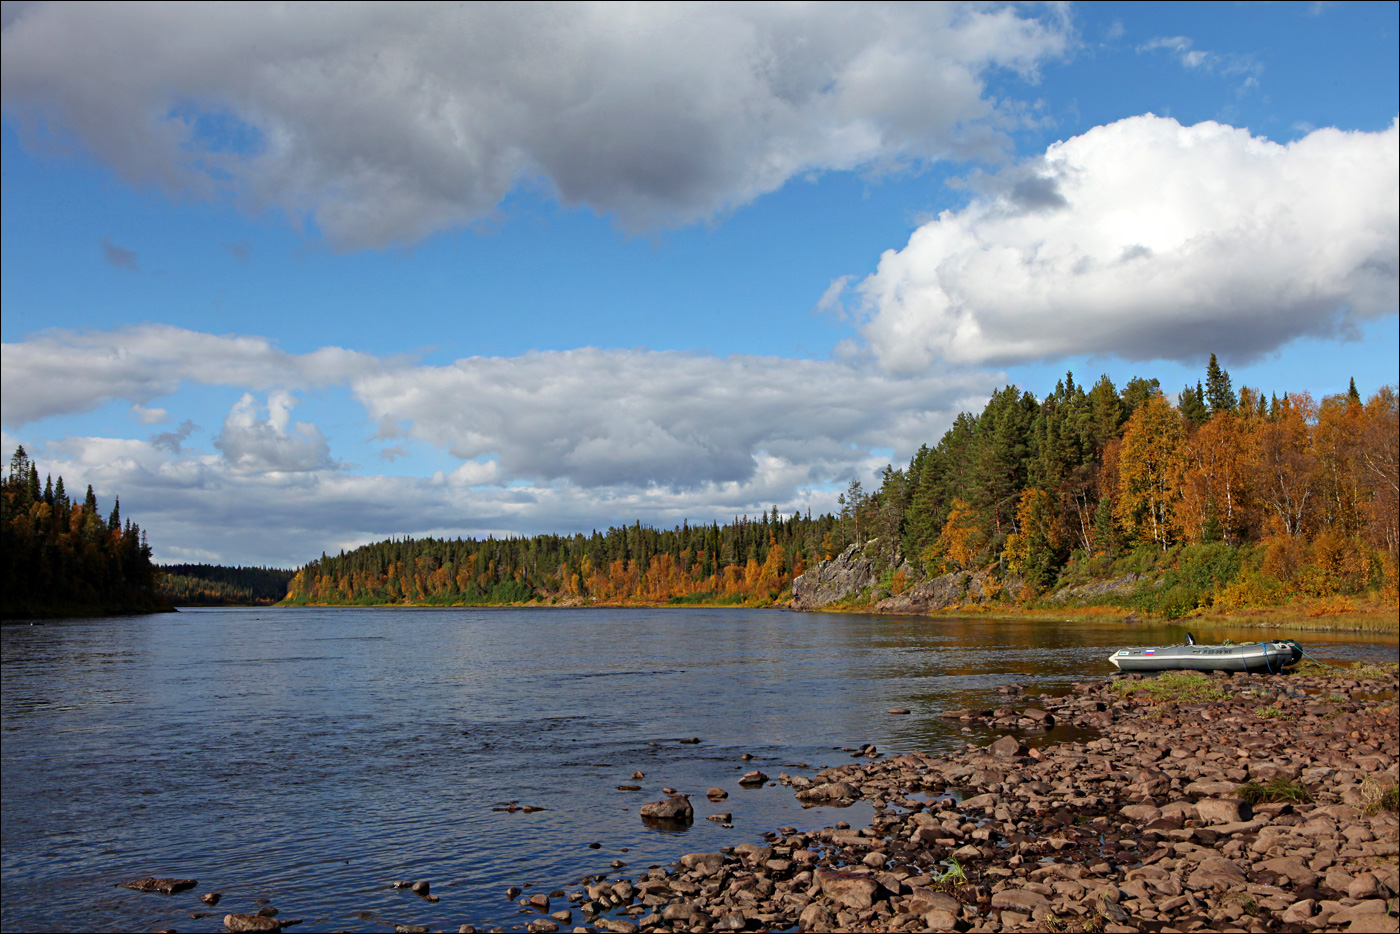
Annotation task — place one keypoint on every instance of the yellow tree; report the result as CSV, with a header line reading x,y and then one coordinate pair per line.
x,y
960,542
1220,459
1287,476
1336,439
1151,464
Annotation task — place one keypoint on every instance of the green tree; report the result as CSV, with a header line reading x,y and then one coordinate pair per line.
x,y
1219,392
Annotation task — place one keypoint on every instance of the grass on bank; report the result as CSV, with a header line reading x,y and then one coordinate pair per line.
x,y
1179,687
1360,671
1275,790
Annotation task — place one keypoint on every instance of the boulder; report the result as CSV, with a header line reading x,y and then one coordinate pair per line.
x,y
1222,810
753,778
850,889
1007,747
237,923
675,809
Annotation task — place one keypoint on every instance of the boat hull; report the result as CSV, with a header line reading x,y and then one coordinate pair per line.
x,y
1256,656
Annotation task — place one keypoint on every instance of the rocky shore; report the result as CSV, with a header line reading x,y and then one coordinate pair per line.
x,y
1233,802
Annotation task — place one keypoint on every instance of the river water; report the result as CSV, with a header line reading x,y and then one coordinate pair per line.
x,y
310,756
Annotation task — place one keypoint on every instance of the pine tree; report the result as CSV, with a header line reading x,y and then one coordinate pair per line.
x,y
1219,393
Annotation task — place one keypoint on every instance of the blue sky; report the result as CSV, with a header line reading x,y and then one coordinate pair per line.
x,y
290,280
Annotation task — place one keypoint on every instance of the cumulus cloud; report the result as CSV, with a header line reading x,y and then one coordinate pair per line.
x,y
1149,240
590,417
63,372
613,417
387,122
259,445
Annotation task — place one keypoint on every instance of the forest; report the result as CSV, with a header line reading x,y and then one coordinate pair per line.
x,y
1245,500
218,585
62,558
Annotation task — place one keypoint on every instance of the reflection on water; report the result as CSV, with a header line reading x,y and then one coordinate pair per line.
x,y
310,756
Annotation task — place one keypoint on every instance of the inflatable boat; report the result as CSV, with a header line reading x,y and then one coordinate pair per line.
x,y
1253,656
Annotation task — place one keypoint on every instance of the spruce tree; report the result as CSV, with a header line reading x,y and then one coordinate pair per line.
x,y
1219,392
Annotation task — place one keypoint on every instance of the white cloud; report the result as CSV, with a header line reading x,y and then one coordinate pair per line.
x,y
387,122
613,417
62,372
149,416
1149,240
1228,64
256,445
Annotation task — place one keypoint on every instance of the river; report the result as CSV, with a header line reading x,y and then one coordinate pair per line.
x,y
310,756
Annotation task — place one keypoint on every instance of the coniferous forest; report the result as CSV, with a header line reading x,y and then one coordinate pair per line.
x,y
62,558
217,585
1241,500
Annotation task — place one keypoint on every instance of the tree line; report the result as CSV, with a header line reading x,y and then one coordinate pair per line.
x,y
62,558
1298,496
220,585
745,561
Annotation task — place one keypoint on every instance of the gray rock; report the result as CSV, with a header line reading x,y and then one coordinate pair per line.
x,y
237,923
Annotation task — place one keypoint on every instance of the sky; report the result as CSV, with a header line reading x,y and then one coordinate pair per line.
x,y
292,278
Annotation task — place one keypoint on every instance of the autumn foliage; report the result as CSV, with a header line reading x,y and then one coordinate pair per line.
x,y
1239,499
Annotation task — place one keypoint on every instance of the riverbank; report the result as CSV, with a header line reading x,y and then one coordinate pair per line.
x,y
1233,802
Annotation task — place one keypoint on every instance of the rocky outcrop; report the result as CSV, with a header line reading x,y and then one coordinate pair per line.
x,y
945,591
1119,586
838,579
854,572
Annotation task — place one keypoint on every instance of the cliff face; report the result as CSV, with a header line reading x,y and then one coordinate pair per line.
x,y
843,576
851,572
